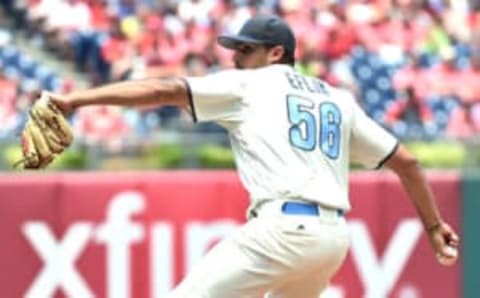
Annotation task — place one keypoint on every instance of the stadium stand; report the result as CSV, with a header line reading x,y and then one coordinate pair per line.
x,y
404,59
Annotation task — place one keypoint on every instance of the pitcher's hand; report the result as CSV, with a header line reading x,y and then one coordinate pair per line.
x,y
445,243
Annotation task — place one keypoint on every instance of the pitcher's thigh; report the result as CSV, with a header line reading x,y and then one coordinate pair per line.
x,y
322,254
224,272
308,287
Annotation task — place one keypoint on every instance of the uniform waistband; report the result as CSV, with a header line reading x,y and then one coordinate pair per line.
x,y
304,208
295,208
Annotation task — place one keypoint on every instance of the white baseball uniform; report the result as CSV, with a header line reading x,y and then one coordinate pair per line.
x,y
293,138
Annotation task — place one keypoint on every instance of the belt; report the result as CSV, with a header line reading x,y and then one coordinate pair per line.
x,y
303,208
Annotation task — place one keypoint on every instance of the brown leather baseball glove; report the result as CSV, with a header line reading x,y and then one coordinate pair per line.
x,y
46,134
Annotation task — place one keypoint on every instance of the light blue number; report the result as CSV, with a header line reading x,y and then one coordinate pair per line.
x,y
303,127
299,115
330,118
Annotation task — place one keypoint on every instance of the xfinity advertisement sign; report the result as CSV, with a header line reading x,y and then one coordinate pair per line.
x,y
126,245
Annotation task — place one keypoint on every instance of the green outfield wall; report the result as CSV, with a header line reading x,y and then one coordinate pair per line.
x,y
471,234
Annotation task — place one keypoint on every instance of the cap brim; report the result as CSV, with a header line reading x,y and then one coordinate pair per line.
x,y
232,41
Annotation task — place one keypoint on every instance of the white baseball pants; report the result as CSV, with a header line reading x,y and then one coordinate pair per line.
x,y
274,255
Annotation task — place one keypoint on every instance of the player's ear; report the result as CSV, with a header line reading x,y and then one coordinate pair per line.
x,y
275,53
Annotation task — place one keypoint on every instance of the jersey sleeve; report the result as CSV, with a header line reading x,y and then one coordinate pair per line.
x,y
371,145
217,97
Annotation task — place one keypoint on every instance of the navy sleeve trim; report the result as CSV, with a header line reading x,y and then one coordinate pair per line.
x,y
190,100
380,164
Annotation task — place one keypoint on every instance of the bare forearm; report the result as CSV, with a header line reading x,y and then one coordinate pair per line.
x,y
404,164
416,184
133,93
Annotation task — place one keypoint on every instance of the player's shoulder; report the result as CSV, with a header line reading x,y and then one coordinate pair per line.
x,y
278,67
256,75
342,94
254,72
271,70
222,77
334,93
231,72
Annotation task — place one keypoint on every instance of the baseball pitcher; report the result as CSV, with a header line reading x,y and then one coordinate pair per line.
x,y
293,138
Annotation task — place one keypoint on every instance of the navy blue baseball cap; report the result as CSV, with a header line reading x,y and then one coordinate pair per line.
x,y
263,30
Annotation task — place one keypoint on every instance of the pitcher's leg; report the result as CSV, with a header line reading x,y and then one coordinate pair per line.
x,y
231,269
321,259
307,287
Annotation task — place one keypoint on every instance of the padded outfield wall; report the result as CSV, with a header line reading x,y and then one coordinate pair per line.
x,y
471,234
136,234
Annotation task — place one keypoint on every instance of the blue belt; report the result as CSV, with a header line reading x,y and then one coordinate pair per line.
x,y
301,208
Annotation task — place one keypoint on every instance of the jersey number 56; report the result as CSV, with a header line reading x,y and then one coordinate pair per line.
x,y
307,124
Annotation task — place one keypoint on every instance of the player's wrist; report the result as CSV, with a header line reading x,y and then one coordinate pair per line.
x,y
433,227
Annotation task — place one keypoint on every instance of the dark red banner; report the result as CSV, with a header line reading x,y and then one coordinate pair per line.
x,y
136,234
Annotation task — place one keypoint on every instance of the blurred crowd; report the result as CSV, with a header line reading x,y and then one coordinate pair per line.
x,y
414,64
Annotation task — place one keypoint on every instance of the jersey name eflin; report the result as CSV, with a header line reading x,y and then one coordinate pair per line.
x,y
303,83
